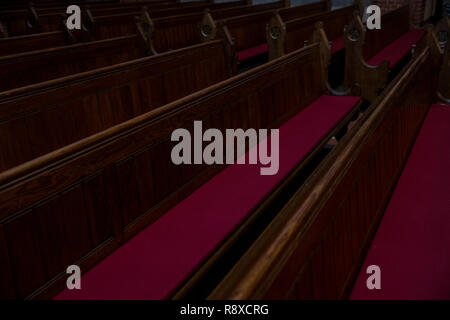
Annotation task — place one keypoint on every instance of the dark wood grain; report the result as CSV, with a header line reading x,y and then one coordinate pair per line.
x,y
129,167
323,231
40,118
294,33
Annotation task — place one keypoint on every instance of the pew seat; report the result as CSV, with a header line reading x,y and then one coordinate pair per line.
x,y
410,245
337,45
398,49
158,259
252,52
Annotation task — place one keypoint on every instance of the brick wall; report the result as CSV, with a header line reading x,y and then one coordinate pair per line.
x,y
417,15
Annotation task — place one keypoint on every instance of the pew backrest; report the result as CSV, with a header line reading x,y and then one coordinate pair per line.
x,y
109,186
40,118
32,67
249,30
31,42
286,36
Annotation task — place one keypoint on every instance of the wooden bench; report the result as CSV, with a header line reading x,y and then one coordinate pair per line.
x,y
287,36
32,20
40,118
49,64
371,54
120,181
314,247
247,33
37,41
412,239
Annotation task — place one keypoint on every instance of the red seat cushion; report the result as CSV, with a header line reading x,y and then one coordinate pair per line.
x,y
159,258
395,51
252,52
337,45
411,245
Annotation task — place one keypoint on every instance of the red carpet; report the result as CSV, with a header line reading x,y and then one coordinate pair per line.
x,y
153,263
397,49
252,52
412,243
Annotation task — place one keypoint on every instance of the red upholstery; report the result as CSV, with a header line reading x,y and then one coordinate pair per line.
x,y
159,258
411,245
337,45
252,52
395,51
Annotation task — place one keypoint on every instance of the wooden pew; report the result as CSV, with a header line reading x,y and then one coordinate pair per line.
x,y
120,181
178,31
246,33
313,249
40,118
48,64
20,22
371,54
444,77
286,36
443,35
412,238
43,65
37,41
32,20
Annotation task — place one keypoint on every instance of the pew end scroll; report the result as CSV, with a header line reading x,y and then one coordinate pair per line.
x,y
276,35
369,79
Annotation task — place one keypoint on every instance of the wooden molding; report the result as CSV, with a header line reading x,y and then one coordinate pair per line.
x,y
146,31
429,40
443,94
208,28
230,49
367,79
276,36
33,22
3,31
319,36
88,24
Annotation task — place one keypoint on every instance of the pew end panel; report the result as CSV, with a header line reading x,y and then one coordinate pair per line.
x,y
430,40
369,80
89,26
443,36
276,33
314,247
3,31
146,30
208,27
444,77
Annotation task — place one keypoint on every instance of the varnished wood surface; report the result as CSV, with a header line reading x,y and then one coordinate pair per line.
x,y
295,32
362,44
18,22
40,118
38,41
112,184
444,74
315,245
48,64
